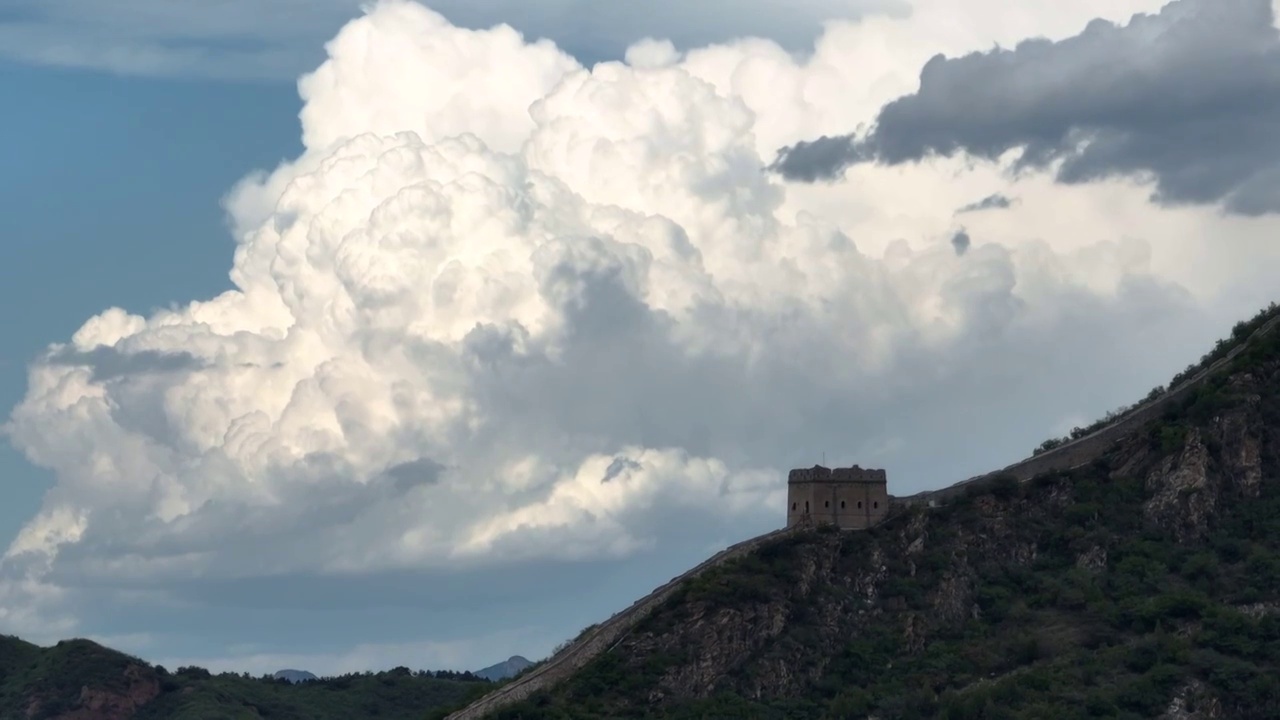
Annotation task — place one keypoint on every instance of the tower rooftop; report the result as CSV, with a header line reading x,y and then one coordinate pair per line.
x,y
853,474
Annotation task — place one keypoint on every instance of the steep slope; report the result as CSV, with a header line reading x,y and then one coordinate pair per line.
x,y
599,638
1136,574
81,680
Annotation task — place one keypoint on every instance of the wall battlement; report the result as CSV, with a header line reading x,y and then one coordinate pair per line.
x,y
818,473
857,474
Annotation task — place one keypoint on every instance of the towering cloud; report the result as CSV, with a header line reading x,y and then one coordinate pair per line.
x,y
508,309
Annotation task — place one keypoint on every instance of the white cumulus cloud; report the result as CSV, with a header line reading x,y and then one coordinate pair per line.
x,y
507,309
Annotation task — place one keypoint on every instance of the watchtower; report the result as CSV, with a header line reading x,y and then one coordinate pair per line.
x,y
850,498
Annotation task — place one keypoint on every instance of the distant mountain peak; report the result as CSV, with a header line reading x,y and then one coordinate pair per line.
x,y
510,667
294,676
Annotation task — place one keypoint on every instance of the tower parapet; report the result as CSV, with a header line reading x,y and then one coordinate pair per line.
x,y
817,473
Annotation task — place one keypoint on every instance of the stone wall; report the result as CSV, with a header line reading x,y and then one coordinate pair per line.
x,y
851,505
860,505
600,638
852,498
799,501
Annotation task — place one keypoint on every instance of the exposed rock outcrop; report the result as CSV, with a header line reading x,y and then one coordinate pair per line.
x,y
118,700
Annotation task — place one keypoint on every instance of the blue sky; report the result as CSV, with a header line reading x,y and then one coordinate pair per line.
x,y
109,195
514,339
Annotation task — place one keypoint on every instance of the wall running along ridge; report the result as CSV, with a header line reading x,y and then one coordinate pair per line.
x,y
1067,456
1085,450
602,637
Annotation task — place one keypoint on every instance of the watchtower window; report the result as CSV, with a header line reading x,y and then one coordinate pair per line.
x,y
806,506
841,504
793,506
875,504
826,503
859,504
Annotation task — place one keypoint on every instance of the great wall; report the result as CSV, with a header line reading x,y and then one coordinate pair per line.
x,y
601,637
607,634
1086,449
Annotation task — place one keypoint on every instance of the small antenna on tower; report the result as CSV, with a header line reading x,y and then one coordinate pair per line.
x,y
824,458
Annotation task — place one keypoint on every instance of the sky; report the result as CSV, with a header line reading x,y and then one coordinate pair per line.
x,y
345,337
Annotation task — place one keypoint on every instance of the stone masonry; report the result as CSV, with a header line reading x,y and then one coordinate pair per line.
x,y
850,498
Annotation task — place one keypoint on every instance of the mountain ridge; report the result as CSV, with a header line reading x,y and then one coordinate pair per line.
x,y
1082,450
1184,485
597,638
1064,457
79,679
1142,584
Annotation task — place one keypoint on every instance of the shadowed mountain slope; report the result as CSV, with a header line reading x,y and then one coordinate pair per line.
x,y
1135,576
81,680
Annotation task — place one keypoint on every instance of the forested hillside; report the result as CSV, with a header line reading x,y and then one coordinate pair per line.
x,y
81,680
1144,584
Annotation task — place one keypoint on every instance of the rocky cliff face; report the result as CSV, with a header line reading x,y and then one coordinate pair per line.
x,y
1140,585
140,686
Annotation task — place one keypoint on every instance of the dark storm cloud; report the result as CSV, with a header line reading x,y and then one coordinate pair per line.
x,y
990,202
408,475
961,241
821,159
619,466
1189,97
